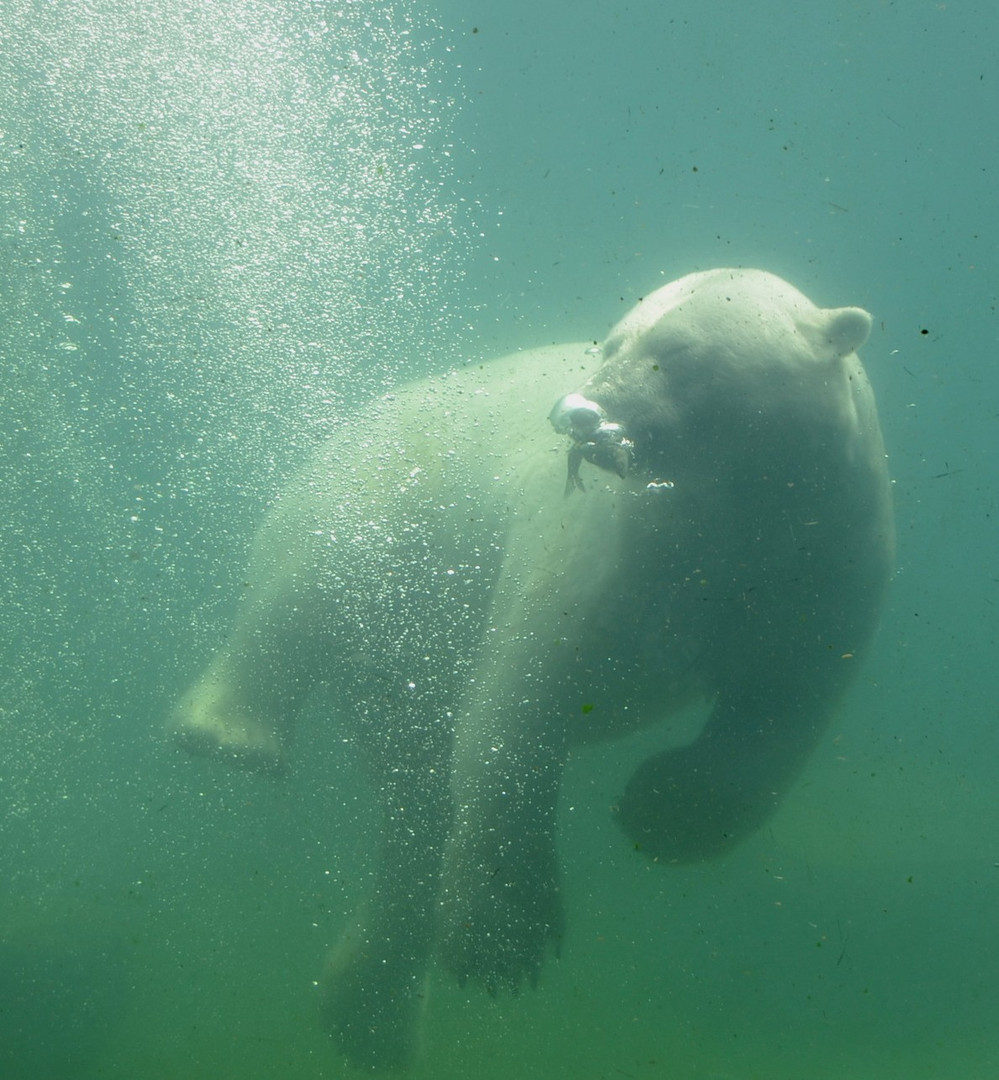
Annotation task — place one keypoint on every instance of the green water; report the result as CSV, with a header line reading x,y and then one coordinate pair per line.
x,y
223,225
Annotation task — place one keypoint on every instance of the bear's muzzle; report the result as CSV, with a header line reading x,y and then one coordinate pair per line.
x,y
596,439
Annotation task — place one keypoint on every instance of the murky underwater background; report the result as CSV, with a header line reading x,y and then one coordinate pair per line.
x,y
222,225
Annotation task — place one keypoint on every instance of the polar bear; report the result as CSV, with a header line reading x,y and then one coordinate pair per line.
x,y
487,568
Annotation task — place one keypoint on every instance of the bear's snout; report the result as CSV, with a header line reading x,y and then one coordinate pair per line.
x,y
596,439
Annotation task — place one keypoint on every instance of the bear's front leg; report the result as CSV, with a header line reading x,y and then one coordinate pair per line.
x,y
373,989
501,903
501,900
372,998
699,801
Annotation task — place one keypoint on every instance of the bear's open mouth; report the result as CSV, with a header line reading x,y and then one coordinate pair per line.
x,y
595,439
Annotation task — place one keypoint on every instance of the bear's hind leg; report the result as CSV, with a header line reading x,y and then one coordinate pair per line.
x,y
213,720
243,707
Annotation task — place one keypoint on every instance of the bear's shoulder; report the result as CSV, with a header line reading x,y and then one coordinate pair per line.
x,y
496,391
484,409
458,434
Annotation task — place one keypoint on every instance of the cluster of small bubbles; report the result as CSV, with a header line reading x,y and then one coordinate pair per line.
x,y
267,185
224,225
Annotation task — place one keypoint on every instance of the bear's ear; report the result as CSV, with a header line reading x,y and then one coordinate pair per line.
x,y
845,329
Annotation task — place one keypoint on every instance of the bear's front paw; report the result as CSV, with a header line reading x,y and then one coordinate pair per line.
x,y
684,806
499,915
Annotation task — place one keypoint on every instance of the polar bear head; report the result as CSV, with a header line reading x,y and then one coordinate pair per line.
x,y
715,366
